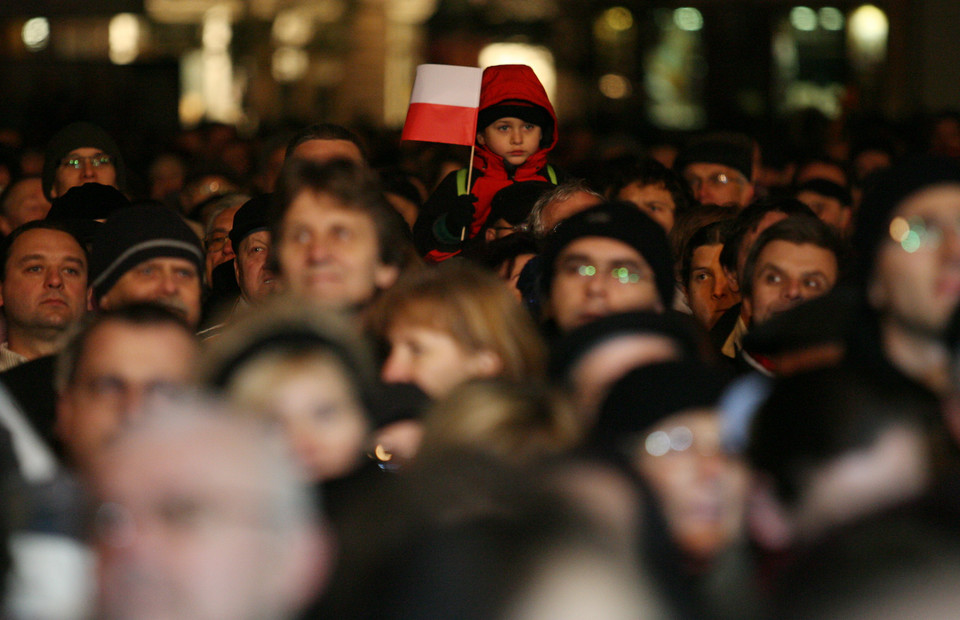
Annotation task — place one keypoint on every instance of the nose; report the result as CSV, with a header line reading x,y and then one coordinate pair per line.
x,y
87,169
791,289
516,136
168,283
54,278
396,369
228,252
596,285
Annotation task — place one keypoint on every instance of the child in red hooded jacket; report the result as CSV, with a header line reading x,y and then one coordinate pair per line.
x,y
516,128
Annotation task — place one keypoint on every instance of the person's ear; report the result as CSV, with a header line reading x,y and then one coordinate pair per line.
x,y
92,305
481,139
732,280
485,363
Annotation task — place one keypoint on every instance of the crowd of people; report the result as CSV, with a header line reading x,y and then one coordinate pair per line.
x,y
278,379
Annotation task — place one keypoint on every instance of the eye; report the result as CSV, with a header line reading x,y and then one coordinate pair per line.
x,y
146,270
529,126
701,277
34,269
341,232
813,283
772,278
186,274
71,271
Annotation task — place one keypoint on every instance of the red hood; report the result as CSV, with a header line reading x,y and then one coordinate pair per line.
x,y
513,82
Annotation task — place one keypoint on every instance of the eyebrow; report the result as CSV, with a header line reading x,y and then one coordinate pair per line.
x,y
32,257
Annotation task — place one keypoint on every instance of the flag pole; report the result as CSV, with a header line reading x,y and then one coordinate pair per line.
x,y
463,231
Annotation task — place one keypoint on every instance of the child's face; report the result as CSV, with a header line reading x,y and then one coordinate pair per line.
x,y
512,139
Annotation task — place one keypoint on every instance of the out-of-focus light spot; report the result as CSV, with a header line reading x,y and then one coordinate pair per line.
x,y
537,57
217,31
688,18
867,31
618,18
657,443
868,23
410,11
36,33
124,37
328,11
614,86
831,18
899,227
803,18
293,27
290,64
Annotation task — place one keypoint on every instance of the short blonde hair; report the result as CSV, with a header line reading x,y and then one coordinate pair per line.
x,y
474,307
515,423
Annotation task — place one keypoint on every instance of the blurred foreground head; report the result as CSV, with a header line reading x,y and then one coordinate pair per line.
x,y
204,516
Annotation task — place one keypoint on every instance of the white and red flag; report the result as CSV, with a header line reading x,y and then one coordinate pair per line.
x,y
444,105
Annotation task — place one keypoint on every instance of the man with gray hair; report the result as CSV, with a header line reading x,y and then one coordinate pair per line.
x,y
554,206
203,516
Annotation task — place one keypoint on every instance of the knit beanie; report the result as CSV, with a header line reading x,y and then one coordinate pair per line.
x,y
250,218
732,150
889,188
90,201
514,202
577,344
649,394
624,222
826,188
76,136
517,108
136,234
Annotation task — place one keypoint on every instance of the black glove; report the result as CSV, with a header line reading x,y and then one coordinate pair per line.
x,y
460,216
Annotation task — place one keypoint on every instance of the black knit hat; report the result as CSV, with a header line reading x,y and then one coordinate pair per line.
x,y
76,136
826,188
514,202
889,188
648,394
524,110
136,234
250,218
90,201
731,150
577,344
622,221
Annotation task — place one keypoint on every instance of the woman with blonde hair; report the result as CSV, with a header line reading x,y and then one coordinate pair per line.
x,y
454,322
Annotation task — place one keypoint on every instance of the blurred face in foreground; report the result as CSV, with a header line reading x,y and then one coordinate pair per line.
x,y
916,281
700,489
329,252
121,366
189,528
315,403
433,359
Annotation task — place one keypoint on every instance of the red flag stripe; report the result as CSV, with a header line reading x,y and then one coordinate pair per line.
x,y
431,122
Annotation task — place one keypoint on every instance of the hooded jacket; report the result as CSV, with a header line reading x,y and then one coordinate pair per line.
x,y
502,84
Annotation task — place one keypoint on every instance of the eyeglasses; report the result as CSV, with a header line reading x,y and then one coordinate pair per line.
x,y
716,180
920,233
76,162
680,439
620,275
215,243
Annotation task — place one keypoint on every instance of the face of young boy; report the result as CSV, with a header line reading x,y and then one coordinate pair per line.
x,y
513,139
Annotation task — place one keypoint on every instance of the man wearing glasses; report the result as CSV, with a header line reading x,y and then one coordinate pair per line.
x,y
719,169
608,259
81,153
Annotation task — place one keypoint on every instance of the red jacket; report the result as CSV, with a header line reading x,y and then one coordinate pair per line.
x,y
500,84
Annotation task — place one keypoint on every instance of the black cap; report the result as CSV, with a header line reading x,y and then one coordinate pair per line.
x,y
622,221
646,395
250,218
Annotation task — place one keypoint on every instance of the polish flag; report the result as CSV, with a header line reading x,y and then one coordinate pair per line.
x,y
444,105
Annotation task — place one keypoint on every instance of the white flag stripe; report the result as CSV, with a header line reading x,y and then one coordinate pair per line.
x,y
447,85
